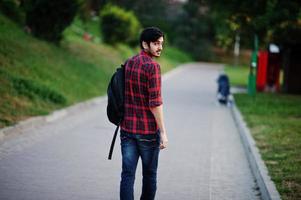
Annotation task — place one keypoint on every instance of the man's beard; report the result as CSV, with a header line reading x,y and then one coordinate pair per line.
x,y
158,53
154,53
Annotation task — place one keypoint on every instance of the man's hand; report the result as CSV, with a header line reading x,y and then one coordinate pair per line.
x,y
163,141
158,114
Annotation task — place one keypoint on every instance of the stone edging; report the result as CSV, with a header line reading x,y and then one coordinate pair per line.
x,y
266,185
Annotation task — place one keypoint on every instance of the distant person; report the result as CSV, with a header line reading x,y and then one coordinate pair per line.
x,y
143,132
223,90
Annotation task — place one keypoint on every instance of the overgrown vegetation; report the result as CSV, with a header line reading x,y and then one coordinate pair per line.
x,y
196,26
32,89
37,77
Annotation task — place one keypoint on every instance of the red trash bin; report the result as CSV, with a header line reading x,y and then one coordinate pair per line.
x,y
261,76
268,71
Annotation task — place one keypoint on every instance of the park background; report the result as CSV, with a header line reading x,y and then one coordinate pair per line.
x,y
56,53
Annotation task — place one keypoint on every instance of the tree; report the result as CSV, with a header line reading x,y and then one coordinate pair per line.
x,y
149,13
193,30
13,10
272,20
88,8
48,19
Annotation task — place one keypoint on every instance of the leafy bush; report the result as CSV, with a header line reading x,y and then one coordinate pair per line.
x,y
34,90
119,26
48,19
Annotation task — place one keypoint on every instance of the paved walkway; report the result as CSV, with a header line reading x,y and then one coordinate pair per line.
x,y
67,159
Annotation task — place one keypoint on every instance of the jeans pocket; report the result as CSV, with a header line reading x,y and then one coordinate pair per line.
x,y
123,140
149,142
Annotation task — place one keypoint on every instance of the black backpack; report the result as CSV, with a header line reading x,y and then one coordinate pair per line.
x,y
115,107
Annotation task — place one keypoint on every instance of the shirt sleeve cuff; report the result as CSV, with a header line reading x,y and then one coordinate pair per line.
x,y
155,103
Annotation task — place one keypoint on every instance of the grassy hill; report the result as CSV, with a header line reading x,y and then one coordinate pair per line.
x,y
37,77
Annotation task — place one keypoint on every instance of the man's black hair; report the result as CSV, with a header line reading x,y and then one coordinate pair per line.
x,y
150,34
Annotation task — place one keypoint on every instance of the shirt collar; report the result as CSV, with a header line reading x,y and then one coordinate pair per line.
x,y
142,52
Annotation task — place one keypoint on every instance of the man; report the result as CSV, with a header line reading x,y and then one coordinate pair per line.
x,y
143,132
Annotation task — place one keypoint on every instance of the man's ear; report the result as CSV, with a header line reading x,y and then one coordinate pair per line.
x,y
145,45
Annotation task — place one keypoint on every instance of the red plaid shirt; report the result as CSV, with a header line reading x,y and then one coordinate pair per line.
x,y
142,91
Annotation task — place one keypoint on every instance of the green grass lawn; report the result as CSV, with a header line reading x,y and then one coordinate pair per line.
x,y
275,123
37,77
238,75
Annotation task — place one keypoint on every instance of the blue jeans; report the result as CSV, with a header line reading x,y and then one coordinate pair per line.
x,y
134,146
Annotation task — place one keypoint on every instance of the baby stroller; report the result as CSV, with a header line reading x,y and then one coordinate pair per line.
x,y
223,90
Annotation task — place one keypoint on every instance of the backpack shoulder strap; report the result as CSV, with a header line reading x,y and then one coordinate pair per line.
x,y
113,142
